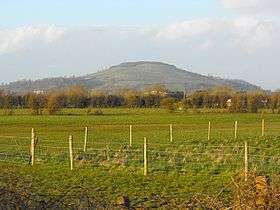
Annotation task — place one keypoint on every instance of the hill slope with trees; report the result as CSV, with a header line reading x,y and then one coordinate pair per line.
x,y
133,75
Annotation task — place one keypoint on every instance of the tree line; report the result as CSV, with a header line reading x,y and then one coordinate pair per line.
x,y
154,96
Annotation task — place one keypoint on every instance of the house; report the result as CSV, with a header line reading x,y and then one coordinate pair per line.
x,y
38,92
229,103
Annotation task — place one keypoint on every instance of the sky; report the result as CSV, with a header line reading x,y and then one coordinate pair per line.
x,y
237,39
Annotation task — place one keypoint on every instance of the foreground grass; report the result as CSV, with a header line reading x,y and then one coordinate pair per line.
x,y
187,167
103,184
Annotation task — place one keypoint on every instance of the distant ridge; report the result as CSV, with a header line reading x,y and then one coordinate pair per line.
x,y
136,75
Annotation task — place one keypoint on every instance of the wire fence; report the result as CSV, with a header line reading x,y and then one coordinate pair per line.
x,y
165,157
167,151
206,159
211,162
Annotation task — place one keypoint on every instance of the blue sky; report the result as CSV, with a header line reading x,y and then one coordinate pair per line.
x,y
106,12
237,39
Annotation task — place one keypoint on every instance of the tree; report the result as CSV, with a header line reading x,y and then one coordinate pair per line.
x,y
114,101
187,103
239,102
197,99
77,97
2,98
255,101
153,94
34,104
150,101
132,98
98,98
8,104
275,101
169,104
54,102
221,95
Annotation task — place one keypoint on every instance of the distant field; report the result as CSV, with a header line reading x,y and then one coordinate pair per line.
x,y
191,165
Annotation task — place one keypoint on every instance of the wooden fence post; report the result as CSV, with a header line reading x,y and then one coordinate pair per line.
x,y
263,127
32,147
235,129
145,157
209,130
71,151
130,135
86,138
107,153
171,132
246,161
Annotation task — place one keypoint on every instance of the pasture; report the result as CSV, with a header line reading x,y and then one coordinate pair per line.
x,y
191,166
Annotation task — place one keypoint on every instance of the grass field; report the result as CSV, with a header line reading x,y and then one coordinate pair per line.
x,y
190,166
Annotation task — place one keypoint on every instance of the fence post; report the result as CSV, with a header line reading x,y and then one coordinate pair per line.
x,y
171,132
246,161
32,146
235,129
263,127
86,138
107,153
71,151
209,130
130,135
145,157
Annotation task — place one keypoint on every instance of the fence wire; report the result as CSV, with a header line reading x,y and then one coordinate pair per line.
x,y
166,157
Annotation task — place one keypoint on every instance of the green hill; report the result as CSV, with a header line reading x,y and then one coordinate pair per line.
x,y
135,75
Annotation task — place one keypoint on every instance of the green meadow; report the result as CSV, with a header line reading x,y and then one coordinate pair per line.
x,y
191,166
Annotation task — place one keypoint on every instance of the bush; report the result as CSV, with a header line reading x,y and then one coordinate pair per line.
x,y
88,111
98,112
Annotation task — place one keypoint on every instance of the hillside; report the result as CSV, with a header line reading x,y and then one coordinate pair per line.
x,y
133,75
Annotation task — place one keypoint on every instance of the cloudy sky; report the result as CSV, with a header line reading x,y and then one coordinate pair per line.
x,y
226,38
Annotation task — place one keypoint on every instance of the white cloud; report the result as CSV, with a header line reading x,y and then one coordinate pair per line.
x,y
253,6
245,48
253,34
244,32
237,4
206,45
189,29
13,40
